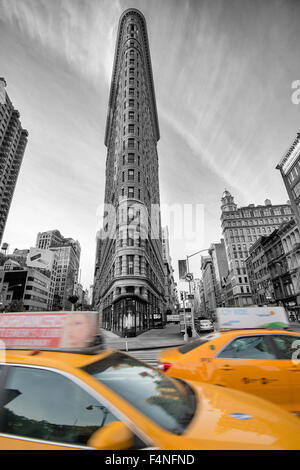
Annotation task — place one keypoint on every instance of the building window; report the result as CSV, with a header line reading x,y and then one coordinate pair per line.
x,y
130,237
131,158
131,192
131,175
130,143
130,215
130,266
131,128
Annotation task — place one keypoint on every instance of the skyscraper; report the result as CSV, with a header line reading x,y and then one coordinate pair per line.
x,y
129,273
13,141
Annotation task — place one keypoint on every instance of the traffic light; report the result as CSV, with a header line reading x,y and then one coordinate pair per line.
x,y
181,296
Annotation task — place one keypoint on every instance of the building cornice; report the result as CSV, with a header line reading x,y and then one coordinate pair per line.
x,y
290,156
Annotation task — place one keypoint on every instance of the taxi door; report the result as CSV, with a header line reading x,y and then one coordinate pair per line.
x,y
250,364
32,418
288,349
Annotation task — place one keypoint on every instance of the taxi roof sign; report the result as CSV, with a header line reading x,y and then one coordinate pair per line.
x,y
251,317
52,331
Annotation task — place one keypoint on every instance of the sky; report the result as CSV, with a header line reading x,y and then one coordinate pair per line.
x,y
223,72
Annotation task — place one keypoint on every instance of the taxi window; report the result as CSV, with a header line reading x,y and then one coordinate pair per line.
x,y
198,342
169,403
248,347
44,405
192,345
288,346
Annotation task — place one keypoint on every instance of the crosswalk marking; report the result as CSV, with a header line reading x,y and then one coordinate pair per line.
x,y
150,356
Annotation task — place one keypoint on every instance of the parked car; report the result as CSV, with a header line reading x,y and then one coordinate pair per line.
x,y
205,325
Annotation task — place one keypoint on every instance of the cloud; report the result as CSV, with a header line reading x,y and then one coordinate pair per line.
x,y
80,32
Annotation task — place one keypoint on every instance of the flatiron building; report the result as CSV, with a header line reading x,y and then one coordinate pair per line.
x,y
129,268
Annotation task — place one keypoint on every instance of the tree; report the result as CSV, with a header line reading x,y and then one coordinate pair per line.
x,y
15,306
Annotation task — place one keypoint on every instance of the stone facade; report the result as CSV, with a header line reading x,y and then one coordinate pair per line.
x,y
274,267
129,268
289,167
242,227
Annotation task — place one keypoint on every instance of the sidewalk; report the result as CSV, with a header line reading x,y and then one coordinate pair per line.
x,y
167,337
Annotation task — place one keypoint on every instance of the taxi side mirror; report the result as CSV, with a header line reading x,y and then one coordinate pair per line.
x,y
114,436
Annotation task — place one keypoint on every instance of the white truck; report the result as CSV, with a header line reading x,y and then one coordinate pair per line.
x,y
251,317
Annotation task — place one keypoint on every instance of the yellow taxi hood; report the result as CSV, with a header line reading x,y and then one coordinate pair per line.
x,y
228,419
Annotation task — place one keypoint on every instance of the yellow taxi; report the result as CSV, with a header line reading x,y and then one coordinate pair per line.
x,y
60,396
265,363
58,400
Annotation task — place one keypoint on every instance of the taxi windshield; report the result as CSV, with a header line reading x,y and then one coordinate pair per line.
x,y
170,404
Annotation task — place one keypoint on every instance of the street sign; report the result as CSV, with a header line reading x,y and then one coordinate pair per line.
x,y
189,277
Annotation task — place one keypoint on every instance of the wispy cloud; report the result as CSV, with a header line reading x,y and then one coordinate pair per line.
x,y
80,32
222,75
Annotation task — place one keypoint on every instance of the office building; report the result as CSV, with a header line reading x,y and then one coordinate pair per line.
x,y
23,289
243,226
67,263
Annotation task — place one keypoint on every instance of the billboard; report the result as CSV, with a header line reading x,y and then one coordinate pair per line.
x,y
252,317
49,330
38,258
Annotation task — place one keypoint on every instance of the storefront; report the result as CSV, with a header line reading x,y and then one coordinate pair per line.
x,y
130,316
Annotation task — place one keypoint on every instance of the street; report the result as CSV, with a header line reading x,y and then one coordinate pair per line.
x,y
150,356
